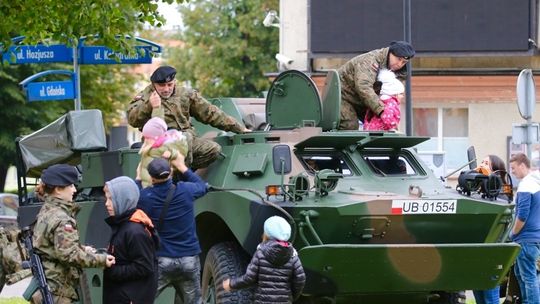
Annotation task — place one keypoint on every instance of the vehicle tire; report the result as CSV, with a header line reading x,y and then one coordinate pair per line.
x,y
450,298
224,260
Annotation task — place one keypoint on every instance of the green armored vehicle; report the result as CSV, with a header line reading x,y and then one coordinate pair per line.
x,y
371,222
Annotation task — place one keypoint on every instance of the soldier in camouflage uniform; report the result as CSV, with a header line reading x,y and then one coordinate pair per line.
x,y
11,260
56,238
175,104
359,76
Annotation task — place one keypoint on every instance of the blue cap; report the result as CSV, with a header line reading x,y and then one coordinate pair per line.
x,y
60,175
277,228
159,168
163,74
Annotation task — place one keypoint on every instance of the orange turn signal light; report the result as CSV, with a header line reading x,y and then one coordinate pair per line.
x,y
272,190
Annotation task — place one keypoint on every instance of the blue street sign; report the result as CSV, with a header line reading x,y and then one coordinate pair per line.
x,y
104,55
50,90
38,54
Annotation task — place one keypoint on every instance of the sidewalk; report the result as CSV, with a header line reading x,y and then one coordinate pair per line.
x,y
15,290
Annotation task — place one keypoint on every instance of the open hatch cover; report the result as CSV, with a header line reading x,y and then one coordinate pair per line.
x,y
293,101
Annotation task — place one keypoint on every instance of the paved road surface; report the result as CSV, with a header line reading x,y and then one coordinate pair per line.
x,y
15,290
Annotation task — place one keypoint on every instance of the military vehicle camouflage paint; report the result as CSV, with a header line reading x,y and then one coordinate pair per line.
x,y
371,222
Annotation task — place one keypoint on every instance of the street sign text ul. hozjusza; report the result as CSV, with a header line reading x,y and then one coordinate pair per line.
x,y
50,90
38,54
104,55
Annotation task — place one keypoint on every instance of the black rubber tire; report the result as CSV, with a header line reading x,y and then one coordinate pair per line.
x,y
224,260
450,298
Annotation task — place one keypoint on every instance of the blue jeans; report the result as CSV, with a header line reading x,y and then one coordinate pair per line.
x,y
488,296
525,270
184,274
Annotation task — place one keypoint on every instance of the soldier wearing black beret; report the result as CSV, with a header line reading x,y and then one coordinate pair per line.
x,y
163,74
359,81
60,175
56,238
176,105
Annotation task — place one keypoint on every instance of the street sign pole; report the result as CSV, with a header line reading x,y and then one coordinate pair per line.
x,y
79,54
408,94
76,78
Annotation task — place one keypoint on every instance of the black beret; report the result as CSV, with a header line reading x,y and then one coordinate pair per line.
x,y
163,74
159,168
402,49
60,175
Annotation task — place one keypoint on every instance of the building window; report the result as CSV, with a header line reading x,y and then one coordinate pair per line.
x,y
455,122
425,122
449,132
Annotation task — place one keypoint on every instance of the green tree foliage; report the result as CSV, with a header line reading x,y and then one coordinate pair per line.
x,y
67,21
227,49
108,88
17,116
105,87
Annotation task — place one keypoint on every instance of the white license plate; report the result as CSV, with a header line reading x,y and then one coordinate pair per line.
x,y
424,206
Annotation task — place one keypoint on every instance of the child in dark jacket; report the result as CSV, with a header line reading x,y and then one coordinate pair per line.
x,y
133,279
275,267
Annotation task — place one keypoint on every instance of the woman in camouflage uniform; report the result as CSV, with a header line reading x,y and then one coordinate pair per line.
x,y
56,238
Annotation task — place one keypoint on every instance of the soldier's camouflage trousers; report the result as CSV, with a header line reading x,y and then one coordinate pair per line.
x,y
202,152
11,270
38,299
348,119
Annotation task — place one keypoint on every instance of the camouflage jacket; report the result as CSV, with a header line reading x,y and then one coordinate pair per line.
x,y
56,239
358,76
11,250
177,110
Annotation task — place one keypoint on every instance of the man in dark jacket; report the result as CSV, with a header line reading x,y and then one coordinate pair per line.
x,y
133,279
275,267
178,256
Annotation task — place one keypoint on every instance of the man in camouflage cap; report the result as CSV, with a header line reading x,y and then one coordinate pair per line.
x,y
56,239
176,104
359,76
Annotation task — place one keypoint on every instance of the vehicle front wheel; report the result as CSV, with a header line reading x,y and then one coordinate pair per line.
x,y
224,260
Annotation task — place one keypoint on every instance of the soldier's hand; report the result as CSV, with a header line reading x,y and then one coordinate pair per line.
x,y
110,260
227,285
89,249
155,100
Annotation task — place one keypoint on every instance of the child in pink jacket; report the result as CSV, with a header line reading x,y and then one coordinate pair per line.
x,y
391,95
159,142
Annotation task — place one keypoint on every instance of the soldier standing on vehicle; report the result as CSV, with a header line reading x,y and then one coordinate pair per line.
x,y
56,238
176,104
359,76
526,230
170,206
